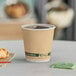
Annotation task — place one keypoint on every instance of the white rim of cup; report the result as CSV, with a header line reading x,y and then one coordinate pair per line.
x,y
24,27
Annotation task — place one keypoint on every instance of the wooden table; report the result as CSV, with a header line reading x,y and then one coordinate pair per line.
x,y
10,29
63,51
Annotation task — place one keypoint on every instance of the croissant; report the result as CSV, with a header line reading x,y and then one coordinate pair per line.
x,y
3,53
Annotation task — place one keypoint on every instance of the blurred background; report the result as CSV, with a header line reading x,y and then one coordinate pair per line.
x,y
60,13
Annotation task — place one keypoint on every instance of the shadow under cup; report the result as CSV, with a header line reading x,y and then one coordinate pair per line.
x,y
38,40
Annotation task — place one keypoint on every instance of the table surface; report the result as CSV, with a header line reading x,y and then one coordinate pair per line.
x,y
63,51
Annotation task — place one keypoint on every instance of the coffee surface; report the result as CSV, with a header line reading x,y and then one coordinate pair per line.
x,y
37,27
41,27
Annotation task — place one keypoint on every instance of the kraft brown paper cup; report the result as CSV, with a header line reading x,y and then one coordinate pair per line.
x,y
38,42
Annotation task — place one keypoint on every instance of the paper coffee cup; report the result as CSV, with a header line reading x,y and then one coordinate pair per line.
x,y
38,40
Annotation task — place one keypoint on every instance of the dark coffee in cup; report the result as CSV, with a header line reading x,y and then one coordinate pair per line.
x,y
38,27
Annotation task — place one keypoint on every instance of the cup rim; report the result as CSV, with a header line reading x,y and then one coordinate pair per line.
x,y
24,27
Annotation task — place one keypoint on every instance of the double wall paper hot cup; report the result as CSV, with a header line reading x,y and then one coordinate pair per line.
x,y
38,40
